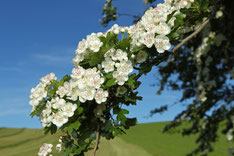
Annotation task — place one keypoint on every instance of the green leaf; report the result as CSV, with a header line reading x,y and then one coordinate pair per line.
x,y
73,126
67,152
179,21
130,99
125,43
79,110
170,16
77,150
107,125
95,59
66,78
111,38
116,110
109,76
117,131
110,83
121,115
131,81
145,68
174,35
130,122
53,129
33,113
76,125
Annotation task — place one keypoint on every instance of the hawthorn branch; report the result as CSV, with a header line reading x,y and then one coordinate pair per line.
x,y
194,34
97,139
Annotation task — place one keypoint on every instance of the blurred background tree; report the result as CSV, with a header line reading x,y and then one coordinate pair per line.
x,y
201,66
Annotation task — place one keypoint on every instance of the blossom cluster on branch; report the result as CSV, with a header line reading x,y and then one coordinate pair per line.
x,y
102,78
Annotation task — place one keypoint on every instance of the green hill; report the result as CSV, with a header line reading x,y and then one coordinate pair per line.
x,y
141,140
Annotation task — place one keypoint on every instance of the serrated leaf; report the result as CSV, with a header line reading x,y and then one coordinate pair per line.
x,y
110,83
121,115
95,59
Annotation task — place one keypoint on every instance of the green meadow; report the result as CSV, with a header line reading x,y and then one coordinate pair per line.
x,y
141,140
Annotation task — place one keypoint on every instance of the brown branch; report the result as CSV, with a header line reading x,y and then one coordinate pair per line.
x,y
191,36
97,140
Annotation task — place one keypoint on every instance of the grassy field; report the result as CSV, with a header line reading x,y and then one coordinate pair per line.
x,y
141,140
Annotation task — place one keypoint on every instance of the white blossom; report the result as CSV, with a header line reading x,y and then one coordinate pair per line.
x,y
95,45
78,58
162,43
110,53
78,72
87,94
121,77
45,149
96,81
68,109
120,55
115,28
37,95
101,96
59,119
63,90
108,65
59,147
163,29
74,91
125,67
46,79
57,103
148,39
81,48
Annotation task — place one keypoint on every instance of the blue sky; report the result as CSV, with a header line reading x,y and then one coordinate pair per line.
x,y
39,37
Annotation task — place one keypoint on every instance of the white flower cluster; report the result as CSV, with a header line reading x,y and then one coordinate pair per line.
x,y
117,29
39,92
86,85
117,61
91,44
64,110
153,28
45,149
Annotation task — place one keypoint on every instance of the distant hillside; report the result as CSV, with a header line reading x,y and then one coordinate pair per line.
x,y
141,140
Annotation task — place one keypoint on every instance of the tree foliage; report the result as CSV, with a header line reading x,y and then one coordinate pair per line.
x,y
203,70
